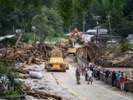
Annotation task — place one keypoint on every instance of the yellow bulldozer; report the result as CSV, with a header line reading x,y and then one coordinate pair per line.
x,y
56,62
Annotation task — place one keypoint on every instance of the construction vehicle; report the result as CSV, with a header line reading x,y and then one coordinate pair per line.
x,y
56,62
69,44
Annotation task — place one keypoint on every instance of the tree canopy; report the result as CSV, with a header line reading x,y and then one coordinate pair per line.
x,y
55,16
47,23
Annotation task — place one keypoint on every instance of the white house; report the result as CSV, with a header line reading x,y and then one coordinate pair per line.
x,y
92,32
130,38
7,36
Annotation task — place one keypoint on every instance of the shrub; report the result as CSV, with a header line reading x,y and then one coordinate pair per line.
x,y
8,75
124,45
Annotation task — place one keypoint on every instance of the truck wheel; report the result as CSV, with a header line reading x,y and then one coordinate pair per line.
x,y
74,54
48,68
67,68
63,68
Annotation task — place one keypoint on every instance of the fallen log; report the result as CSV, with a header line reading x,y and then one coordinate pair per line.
x,y
18,39
13,55
30,59
21,70
40,94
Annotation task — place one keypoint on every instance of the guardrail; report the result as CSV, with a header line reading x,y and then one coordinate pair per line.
x,y
128,83
81,61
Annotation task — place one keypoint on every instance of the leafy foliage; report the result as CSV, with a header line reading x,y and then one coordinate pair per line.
x,y
10,74
13,3
18,14
124,45
47,23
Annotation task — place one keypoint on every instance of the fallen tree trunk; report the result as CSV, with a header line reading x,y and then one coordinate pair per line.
x,y
18,39
40,94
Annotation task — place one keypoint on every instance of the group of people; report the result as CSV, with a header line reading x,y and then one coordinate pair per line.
x,y
120,79
117,78
88,72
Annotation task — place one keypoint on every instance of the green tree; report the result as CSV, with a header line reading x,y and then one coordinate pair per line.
x,y
17,18
65,7
124,45
120,24
47,23
13,3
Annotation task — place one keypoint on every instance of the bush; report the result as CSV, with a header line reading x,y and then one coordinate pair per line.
x,y
8,75
57,35
124,45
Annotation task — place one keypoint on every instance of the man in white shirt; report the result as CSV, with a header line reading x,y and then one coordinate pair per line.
x,y
89,73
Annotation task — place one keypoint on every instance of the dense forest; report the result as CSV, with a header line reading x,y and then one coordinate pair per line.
x,y
53,17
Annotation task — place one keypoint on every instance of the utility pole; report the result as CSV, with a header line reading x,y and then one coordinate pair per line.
x,y
33,29
13,29
84,22
96,17
110,29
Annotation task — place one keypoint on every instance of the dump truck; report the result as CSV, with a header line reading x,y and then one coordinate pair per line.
x,y
56,62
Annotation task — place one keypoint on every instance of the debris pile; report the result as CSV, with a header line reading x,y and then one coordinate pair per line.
x,y
104,57
24,71
40,94
27,53
123,60
90,52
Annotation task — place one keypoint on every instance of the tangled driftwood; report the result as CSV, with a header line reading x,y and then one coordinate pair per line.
x,y
90,52
103,56
40,94
28,53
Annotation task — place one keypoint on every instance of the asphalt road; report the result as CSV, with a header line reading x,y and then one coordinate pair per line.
x,y
97,91
64,84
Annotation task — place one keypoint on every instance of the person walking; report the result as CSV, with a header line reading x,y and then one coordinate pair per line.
x,y
113,77
107,76
78,75
95,72
89,73
86,76
83,69
117,79
122,82
98,73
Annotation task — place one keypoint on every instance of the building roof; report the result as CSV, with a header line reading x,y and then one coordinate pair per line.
x,y
130,36
105,37
7,36
94,30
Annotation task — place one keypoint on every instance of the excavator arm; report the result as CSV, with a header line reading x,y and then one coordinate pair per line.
x,y
75,31
70,42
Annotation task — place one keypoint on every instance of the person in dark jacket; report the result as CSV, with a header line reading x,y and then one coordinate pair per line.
x,y
98,74
113,77
107,76
78,75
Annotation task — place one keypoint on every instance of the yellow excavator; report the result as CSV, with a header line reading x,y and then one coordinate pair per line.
x,y
69,45
56,62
